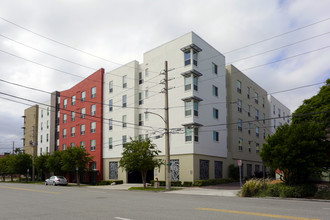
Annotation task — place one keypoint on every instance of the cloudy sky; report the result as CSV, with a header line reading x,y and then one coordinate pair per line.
x,y
296,32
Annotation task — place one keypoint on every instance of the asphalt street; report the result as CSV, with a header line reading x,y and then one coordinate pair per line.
x,y
27,201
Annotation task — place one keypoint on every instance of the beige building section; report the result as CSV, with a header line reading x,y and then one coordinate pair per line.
x,y
30,130
248,111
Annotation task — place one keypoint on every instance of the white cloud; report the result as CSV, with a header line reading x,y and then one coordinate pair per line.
x,y
122,31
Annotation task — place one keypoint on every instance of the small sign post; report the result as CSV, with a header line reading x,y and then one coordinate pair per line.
x,y
239,163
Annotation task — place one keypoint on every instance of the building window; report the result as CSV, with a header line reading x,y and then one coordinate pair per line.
x,y
83,96
93,110
256,97
274,109
204,169
64,133
72,144
47,111
124,139
257,131
93,95
65,103
110,86
146,72
125,81
64,146
110,143
110,105
257,148
249,146
82,144
263,102
264,133
83,112
279,112
249,110
257,114
73,100
218,169
283,115
188,105
239,105
248,92
64,118
140,98
73,116
187,83
47,124
93,144
240,144
195,108
124,101
195,57
93,127
124,121
82,129
239,124
215,90
93,165
187,58
239,85
41,127
140,78
42,113
190,132
146,115
146,93
214,68
110,124
140,120
216,136
73,131
263,118
215,113
249,128
274,123
40,138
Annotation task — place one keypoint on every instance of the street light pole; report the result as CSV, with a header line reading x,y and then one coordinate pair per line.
x,y
167,134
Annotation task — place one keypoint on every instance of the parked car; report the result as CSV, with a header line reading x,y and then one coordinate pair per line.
x,y
56,180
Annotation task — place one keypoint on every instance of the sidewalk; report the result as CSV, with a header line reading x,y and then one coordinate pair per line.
x,y
230,189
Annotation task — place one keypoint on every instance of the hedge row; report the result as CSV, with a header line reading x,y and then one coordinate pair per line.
x,y
213,182
109,182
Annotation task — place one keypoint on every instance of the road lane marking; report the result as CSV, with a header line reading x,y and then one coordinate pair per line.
x,y
122,218
32,190
256,214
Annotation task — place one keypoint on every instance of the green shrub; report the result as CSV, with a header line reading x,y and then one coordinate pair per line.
x,y
299,191
254,187
212,182
176,183
233,172
323,193
187,184
117,181
109,182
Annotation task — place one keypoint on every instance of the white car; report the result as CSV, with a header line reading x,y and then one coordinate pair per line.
x,y
56,180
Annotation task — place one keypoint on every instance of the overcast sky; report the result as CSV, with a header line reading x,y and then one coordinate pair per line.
x,y
121,31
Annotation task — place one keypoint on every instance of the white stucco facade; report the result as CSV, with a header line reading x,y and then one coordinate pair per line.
x,y
44,128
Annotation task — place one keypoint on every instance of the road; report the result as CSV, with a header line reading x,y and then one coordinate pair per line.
x,y
27,201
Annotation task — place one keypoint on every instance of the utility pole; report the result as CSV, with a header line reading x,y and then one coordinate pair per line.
x,y
33,156
167,134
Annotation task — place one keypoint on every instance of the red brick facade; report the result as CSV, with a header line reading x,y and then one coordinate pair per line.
x,y
79,128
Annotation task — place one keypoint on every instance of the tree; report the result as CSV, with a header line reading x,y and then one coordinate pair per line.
x,y
140,155
40,164
23,162
299,150
3,167
75,157
54,163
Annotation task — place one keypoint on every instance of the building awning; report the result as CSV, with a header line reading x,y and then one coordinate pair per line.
x,y
192,124
194,72
191,46
192,97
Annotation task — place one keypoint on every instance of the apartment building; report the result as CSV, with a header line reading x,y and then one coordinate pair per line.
x,y
30,130
80,121
197,115
278,113
44,128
